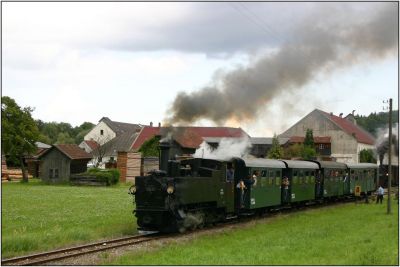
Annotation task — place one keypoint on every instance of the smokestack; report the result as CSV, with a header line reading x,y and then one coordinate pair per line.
x,y
159,124
340,115
151,124
164,155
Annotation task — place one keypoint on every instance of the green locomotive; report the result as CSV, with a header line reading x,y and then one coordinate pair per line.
x,y
190,193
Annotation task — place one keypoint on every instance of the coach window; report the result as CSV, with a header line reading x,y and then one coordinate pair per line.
x,y
307,177
270,177
295,177
312,178
278,178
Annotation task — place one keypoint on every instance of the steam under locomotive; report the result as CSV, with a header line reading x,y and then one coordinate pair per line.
x,y
188,194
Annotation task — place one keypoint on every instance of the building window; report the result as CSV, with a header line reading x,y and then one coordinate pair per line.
x,y
55,173
101,132
321,146
50,173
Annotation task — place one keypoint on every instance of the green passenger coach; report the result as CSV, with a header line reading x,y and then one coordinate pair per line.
x,y
266,191
364,175
332,179
301,176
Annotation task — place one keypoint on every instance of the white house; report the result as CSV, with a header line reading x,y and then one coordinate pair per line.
x,y
111,137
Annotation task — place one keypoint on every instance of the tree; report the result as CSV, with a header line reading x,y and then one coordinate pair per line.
x,y
19,132
300,151
150,147
309,139
276,151
366,155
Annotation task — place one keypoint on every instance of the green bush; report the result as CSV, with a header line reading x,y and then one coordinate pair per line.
x,y
109,176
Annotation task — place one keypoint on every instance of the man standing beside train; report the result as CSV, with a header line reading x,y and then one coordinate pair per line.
x,y
380,195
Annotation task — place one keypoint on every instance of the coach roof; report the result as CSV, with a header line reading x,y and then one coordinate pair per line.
x,y
330,164
362,165
299,164
268,163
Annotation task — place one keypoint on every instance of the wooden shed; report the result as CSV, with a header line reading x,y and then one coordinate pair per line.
x,y
60,161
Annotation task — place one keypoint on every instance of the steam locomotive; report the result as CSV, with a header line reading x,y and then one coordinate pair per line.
x,y
191,193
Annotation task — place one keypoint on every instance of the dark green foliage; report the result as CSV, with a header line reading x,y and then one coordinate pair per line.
x,y
276,151
19,131
110,176
366,155
300,151
374,121
150,147
309,139
62,133
308,152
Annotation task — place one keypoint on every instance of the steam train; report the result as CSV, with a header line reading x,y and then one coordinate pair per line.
x,y
191,193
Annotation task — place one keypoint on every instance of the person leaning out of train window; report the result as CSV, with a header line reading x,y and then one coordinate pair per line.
x,y
256,174
285,184
249,181
241,187
345,177
230,174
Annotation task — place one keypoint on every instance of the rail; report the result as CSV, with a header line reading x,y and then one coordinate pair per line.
x,y
56,255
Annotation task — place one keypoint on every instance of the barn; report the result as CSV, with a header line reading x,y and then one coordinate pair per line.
x,y
62,160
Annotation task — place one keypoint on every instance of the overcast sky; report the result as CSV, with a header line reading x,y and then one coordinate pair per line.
x,y
142,62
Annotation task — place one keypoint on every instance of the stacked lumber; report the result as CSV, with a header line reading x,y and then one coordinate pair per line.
x,y
12,174
4,175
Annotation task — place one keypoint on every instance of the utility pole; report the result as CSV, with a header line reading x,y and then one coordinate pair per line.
x,y
389,204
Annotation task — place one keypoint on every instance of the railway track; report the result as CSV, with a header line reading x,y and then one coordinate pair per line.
x,y
56,255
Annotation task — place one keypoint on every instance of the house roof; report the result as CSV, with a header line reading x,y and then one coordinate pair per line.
x,y
317,139
121,127
121,143
42,145
72,151
347,126
267,140
92,144
190,137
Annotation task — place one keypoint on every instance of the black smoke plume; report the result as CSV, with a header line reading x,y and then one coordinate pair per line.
x,y
321,44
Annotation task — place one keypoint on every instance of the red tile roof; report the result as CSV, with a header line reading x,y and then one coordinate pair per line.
x,y
360,134
73,151
317,139
92,144
190,137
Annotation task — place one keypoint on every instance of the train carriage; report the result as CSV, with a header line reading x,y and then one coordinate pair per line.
x,y
266,191
332,181
301,176
364,176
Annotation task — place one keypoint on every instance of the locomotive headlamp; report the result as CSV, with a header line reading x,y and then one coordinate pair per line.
x,y
132,190
170,189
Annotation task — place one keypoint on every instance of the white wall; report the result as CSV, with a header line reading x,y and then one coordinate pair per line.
x,y
95,135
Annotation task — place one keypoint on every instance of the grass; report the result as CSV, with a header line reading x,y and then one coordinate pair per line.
x,y
39,217
350,234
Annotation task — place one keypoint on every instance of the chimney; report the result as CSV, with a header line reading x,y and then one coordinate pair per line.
x,y
340,115
352,113
164,155
159,124
331,113
151,124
